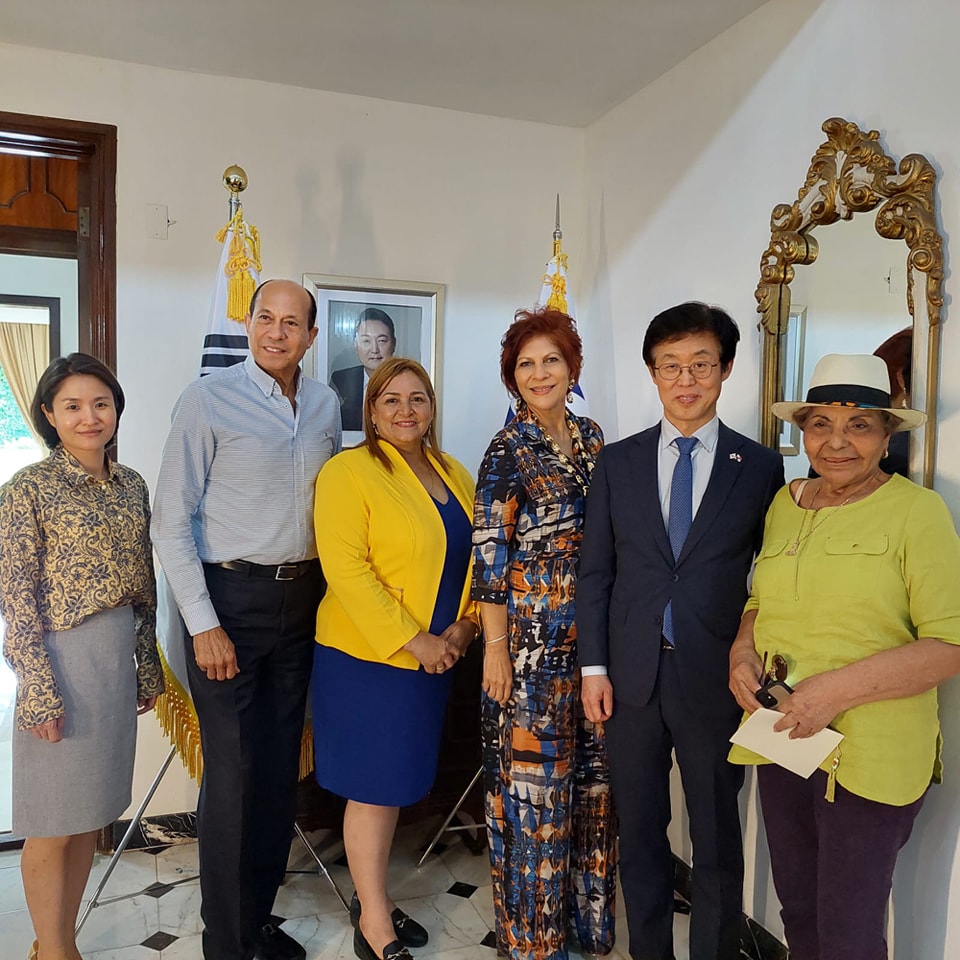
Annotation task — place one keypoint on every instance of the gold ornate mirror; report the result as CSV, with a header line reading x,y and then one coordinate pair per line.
x,y
870,294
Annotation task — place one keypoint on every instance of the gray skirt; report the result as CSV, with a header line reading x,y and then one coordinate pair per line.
x,y
83,782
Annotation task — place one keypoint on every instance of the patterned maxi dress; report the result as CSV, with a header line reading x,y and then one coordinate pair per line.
x,y
550,819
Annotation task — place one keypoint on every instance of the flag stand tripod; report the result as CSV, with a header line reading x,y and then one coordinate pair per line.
x,y
445,826
135,822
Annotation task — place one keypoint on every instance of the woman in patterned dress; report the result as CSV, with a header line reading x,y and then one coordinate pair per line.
x,y
78,599
550,820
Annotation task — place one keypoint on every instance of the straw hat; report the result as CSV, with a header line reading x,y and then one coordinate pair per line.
x,y
850,380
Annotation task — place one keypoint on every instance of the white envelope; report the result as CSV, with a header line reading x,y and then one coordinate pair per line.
x,y
801,756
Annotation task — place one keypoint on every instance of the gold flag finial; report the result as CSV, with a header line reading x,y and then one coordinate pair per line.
x,y
244,256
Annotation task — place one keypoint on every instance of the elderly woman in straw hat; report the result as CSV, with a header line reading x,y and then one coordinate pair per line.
x,y
854,606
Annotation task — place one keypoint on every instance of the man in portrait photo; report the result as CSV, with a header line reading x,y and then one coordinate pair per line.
x,y
375,340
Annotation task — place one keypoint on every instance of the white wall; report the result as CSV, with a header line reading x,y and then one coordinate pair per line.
x,y
339,185
681,181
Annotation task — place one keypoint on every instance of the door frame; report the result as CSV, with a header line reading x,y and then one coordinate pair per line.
x,y
94,146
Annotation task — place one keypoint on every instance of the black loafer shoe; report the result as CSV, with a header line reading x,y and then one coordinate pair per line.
x,y
408,931
392,951
277,945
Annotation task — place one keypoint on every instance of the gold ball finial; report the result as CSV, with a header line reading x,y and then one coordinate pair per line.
x,y
235,179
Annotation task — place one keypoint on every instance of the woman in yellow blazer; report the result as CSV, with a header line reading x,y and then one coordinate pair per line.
x,y
394,537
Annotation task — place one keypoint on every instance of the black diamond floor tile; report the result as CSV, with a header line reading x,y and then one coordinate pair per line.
x,y
153,851
465,890
157,890
490,940
159,941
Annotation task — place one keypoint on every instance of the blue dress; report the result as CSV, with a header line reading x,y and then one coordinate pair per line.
x,y
377,727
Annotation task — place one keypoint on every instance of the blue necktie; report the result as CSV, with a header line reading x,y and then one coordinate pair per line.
x,y
681,513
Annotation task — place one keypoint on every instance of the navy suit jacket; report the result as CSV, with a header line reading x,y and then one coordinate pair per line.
x,y
348,383
627,570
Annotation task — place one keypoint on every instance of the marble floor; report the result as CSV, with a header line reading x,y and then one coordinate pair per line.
x,y
150,907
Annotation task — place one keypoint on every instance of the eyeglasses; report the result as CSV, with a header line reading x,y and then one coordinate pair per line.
x,y
700,370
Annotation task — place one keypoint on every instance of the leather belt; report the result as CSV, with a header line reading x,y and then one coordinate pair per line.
x,y
665,644
281,571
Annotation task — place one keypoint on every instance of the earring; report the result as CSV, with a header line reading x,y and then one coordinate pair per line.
x,y
570,387
376,429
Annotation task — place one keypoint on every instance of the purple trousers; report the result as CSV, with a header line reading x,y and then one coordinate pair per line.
x,y
832,864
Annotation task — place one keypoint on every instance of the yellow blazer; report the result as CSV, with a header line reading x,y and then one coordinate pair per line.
x,y
382,545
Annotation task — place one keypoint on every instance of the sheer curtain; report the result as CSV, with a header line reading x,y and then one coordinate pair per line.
x,y
24,355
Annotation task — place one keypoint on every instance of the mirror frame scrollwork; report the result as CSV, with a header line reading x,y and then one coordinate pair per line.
x,y
850,173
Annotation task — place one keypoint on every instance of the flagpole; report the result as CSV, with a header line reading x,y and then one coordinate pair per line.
x,y
235,180
557,233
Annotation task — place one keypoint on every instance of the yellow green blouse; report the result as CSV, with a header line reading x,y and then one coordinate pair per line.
x,y
836,585
72,546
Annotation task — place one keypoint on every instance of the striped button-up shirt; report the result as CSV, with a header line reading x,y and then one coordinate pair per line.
x,y
237,479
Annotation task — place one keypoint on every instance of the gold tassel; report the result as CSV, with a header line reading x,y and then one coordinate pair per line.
x,y
243,258
558,282
178,720
558,297
306,751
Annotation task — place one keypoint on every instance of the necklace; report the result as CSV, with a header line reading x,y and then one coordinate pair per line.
x,y
815,513
580,465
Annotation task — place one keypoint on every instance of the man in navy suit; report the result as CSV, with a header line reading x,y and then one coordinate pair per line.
x,y
674,518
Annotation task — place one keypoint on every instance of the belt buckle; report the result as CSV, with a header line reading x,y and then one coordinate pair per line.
x,y
292,567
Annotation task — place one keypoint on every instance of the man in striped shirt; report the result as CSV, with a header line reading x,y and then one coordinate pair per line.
x,y
233,528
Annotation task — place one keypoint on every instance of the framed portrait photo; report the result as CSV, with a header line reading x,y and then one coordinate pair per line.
x,y
364,321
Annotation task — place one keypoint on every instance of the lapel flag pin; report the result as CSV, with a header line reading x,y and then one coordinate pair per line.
x,y
737,457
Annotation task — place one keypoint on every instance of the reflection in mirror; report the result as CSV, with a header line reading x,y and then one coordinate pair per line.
x,y
851,300
861,291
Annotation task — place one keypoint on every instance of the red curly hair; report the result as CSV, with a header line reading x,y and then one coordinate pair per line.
x,y
545,322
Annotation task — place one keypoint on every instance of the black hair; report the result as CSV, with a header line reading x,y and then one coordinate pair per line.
x,y
50,381
311,310
375,313
688,318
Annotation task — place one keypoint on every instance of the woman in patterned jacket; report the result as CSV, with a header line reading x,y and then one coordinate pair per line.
x,y
550,821
78,599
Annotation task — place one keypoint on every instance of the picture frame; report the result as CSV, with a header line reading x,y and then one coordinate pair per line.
x,y
791,375
357,317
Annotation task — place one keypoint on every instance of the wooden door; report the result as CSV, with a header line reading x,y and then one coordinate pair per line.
x,y
43,191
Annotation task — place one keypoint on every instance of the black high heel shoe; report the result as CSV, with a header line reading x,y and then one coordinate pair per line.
x,y
408,931
392,951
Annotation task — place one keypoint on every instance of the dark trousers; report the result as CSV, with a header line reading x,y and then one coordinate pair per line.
x,y
832,863
250,730
639,745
